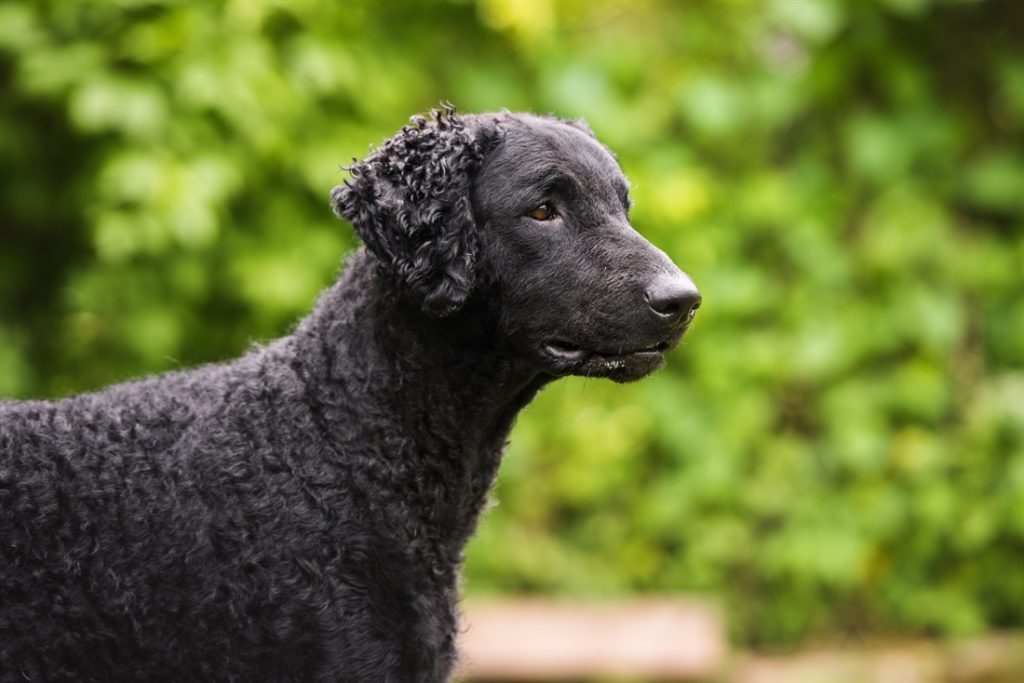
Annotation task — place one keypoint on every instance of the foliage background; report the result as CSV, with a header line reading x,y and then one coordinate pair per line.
x,y
838,448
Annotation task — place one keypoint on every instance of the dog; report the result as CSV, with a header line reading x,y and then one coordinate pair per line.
x,y
300,513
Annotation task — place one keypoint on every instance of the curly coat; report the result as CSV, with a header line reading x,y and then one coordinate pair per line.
x,y
299,514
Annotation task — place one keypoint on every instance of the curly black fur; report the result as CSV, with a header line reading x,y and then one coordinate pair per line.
x,y
299,514
410,202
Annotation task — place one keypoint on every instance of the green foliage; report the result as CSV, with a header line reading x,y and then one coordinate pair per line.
x,y
838,446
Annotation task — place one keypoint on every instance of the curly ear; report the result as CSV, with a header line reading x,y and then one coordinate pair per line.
x,y
410,203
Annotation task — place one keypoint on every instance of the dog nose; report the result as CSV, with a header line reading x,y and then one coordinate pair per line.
x,y
673,298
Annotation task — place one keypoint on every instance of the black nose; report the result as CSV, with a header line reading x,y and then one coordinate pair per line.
x,y
673,297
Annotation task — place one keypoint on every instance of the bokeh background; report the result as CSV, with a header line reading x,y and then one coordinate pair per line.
x,y
837,449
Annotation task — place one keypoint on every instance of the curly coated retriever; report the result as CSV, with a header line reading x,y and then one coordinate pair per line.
x,y
300,513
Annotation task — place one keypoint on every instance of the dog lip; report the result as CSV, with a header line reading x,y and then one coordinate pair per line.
x,y
652,349
620,364
639,353
565,351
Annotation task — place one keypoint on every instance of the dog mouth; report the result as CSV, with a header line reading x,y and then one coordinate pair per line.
x,y
621,365
565,351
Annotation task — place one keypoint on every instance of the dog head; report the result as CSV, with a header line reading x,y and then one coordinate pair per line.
x,y
531,214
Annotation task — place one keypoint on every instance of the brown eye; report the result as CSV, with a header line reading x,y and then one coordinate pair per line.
x,y
544,212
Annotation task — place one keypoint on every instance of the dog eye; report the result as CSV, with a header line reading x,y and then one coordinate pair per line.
x,y
544,212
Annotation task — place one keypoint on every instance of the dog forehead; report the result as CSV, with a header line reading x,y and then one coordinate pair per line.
x,y
531,143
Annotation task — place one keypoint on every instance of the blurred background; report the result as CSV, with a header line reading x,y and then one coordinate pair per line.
x,y
836,452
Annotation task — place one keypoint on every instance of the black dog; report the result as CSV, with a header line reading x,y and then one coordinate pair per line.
x,y
300,514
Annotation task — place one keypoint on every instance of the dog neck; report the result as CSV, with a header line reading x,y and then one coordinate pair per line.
x,y
421,406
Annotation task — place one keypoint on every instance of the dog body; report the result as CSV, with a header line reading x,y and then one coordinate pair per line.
x,y
300,514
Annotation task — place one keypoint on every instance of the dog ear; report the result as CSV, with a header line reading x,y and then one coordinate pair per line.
x,y
410,203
